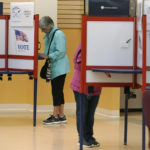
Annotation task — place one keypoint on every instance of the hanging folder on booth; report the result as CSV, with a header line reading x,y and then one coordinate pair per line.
x,y
109,7
1,8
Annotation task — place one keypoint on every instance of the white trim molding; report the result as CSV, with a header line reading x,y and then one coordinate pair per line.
x,y
29,107
108,113
49,108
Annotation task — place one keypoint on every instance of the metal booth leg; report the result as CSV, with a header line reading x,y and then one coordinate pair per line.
x,y
35,102
126,119
143,127
81,120
128,95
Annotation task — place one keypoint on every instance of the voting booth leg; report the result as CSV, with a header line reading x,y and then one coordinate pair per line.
x,y
143,127
81,120
146,113
126,119
35,102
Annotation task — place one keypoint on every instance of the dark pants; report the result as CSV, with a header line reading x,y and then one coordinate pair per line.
x,y
146,102
90,104
57,90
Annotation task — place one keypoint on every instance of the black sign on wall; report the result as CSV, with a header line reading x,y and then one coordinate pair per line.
x,y
109,7
1,8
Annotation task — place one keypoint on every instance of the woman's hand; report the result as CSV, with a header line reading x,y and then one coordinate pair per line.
x,y
43,55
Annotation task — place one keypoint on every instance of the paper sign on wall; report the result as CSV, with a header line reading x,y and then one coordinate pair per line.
x,y
22,14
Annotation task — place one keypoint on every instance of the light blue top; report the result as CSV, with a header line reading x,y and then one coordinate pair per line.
x,y
57,54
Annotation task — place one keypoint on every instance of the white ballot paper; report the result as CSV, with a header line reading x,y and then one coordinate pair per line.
x,y
147,12
139,14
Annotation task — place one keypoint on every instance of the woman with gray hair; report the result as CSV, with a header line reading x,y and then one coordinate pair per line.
x,y
59,66
46,23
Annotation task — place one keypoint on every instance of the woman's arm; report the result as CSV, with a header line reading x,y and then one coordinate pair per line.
x,y
42,55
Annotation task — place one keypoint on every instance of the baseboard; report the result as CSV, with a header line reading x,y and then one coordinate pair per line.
x,y
49,108
108,113
29,107
46,108
16,107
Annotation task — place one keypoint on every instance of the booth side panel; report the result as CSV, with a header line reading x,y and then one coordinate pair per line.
x,y
144,55
135,53
23,48
110,43
101,77
83,53
148,58
36,38
7,41
3,42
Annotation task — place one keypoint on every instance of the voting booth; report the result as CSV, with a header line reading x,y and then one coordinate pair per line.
x,y
19,51
19,44
108,45
115,54
112,46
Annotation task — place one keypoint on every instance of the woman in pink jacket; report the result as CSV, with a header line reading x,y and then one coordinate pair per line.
x,y
91,98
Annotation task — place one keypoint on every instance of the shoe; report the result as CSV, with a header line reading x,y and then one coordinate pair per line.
x,y
51,120
86,144
94,143
63,119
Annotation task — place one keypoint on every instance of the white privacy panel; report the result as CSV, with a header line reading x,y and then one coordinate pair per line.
x,y
100,77
139,14
2,36
148,77
20,64
21,41
147,13
148,49
110,43
140,49
2,63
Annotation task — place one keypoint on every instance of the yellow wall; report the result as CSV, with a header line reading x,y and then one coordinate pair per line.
x,y
110,99
20,89
17,91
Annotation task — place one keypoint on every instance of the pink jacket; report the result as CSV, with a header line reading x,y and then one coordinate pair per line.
x,y
75,84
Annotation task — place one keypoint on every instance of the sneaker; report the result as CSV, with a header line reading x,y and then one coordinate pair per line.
x,y
51,120
94,142
86,144
63,119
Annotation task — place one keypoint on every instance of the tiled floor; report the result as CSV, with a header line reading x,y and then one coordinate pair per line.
x,y
17,133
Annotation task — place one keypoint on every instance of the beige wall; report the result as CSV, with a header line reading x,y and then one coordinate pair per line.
x,y
46,8
20,89
110,99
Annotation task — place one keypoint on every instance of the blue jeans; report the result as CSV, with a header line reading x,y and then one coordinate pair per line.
x,y
90,104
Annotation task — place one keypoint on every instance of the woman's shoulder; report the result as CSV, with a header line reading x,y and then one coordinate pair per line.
x,y
59,32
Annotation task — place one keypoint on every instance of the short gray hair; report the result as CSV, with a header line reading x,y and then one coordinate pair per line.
x,y
46,23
